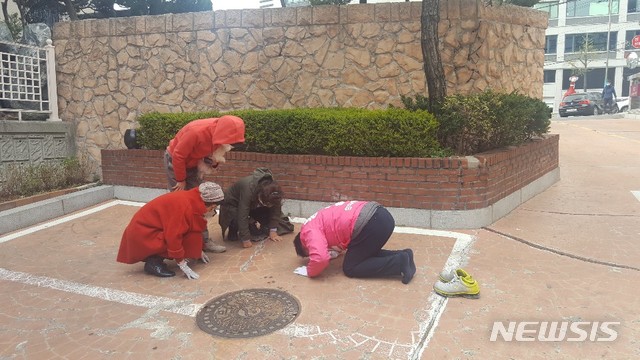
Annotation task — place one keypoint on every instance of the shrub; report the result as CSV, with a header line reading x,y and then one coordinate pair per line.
x,y
323,131
470,124
29,179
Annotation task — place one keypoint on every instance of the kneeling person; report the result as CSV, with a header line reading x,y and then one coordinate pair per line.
x,y
361,228
251,201
170,227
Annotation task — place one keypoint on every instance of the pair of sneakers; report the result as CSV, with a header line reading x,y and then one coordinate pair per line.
x,y
457,282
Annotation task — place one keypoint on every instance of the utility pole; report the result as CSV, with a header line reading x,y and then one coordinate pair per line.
x,y
606,66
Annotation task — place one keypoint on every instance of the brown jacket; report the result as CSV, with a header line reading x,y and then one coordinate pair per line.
x,y
242,197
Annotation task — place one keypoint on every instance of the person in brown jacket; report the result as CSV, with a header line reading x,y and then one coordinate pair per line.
x,y
252,209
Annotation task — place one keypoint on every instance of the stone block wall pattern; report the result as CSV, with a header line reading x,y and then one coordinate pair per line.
x,y
110,71
460,183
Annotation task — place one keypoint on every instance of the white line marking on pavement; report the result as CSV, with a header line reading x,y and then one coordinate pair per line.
x,y
98,292
65,219
435,303
636,193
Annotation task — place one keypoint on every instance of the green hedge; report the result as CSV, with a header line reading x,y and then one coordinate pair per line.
x,y
462,125
323,131
479,122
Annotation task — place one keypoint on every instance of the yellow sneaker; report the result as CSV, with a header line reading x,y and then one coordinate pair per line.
x,y
459,283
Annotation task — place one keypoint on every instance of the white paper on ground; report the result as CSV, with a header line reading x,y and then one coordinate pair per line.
x,y
302,270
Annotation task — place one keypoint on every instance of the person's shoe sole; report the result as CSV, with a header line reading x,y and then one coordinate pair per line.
x,y
464,295
218,249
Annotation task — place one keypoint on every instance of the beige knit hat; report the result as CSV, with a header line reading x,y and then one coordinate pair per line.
x,y
211,192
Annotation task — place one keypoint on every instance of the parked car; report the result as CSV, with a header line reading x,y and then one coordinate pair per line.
x,y
622,105
582,103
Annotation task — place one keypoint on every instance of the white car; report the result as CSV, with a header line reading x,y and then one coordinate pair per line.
x,y
622,105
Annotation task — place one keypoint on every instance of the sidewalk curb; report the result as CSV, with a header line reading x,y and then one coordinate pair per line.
x,y
31,214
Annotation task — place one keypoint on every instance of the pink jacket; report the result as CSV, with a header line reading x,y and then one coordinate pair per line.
x,y
329,228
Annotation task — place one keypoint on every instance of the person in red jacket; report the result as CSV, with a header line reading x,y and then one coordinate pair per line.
x,y
170,227
196,150
361,228
203,141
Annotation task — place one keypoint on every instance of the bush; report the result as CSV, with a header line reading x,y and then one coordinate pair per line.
x,y
30,179
470,124
324,131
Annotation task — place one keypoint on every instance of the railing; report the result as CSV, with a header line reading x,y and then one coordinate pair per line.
x,y
28,81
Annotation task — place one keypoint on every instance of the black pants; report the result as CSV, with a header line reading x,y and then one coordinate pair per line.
x,y
365,256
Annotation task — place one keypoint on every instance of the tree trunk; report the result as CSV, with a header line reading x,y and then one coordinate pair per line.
x,y
73,15
5,12
433,70
22,10
283,3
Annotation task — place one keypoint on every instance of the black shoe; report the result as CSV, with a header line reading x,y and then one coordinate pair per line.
x,y
232,234
413,264
408,270
253,229
155,266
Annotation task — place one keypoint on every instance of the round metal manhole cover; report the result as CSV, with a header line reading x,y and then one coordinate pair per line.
x,y
248,313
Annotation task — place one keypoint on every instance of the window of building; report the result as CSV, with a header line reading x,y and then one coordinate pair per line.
x,y
579,8
549,76
551,44
574,42
628,37
595,79
632,6
551,7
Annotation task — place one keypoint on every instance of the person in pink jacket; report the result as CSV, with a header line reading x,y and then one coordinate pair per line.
x,y
360,229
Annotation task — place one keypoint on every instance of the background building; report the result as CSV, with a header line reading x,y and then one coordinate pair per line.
x,y
573,21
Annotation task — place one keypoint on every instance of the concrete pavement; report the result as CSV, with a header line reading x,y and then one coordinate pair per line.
x,y
569,254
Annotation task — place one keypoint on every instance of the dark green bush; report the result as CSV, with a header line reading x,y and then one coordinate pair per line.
x,y
488,120
324,131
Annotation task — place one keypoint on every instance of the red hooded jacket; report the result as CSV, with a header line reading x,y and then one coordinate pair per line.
x,y
170,225
199,138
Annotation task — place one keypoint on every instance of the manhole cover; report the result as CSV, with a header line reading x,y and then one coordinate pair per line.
x,y
248,313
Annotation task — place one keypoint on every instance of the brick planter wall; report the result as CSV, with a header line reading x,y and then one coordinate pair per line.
x,y
464,183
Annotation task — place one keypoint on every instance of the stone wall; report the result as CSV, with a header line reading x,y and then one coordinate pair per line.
x,y
112,70
34,142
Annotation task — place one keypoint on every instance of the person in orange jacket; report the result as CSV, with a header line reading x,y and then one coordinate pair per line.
x,y
170,227
199,146
196,150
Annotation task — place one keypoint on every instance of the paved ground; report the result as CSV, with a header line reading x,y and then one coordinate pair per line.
x,y
569,254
